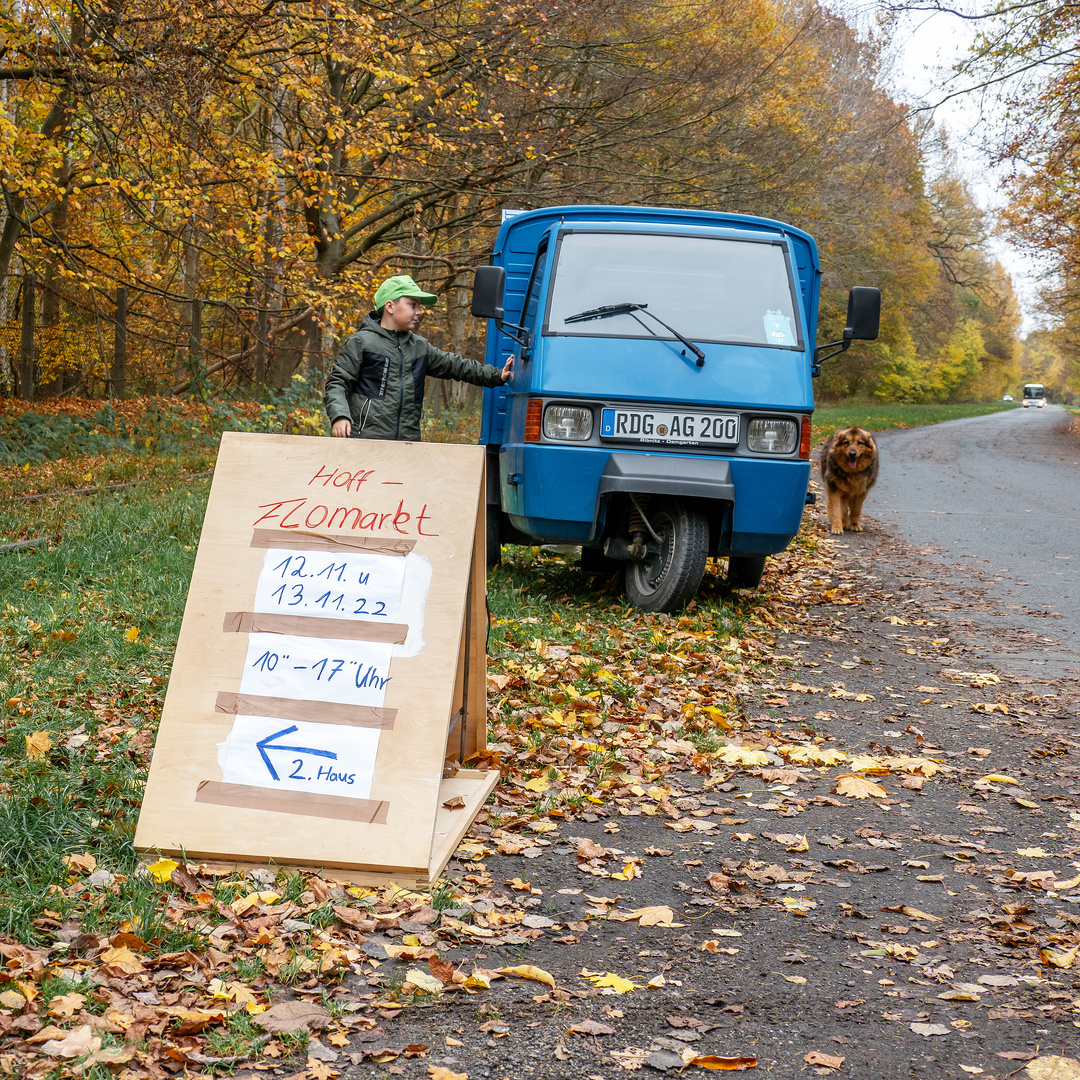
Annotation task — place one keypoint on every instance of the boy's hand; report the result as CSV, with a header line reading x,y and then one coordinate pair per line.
x,y
342,429
508,368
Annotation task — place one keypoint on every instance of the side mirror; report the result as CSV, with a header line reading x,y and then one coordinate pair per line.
x,y
863,313
488,285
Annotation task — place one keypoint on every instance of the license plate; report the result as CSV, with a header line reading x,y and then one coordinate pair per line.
x,y
685,428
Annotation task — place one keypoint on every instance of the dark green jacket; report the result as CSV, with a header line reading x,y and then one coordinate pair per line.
x,y
377,380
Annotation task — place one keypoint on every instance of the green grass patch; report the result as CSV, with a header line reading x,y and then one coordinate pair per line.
x,y
88,624
880,417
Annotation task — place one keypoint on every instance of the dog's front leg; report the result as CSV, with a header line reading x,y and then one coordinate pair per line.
x,y
835,505
856,513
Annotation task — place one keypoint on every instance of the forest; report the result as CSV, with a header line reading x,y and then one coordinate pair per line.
x,y
202,197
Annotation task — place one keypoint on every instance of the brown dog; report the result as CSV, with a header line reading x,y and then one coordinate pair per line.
x,y
849,467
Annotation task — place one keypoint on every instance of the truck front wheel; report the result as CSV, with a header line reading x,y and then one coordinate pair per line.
x,y
667,580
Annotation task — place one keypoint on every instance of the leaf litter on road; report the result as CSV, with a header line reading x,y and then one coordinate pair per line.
x,y
612,730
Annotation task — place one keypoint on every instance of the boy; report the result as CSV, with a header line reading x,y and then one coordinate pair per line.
x,y
375,389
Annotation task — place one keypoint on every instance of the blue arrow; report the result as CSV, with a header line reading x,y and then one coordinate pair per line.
x,y
265,744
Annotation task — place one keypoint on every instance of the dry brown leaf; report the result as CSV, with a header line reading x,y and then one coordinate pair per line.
x,y
824,1060
38,746
1060,959
527,971
724,1064
74,1044
658,915
1053,1067
439,1072
590,1027
290,1016
66,1004
122,959
858,787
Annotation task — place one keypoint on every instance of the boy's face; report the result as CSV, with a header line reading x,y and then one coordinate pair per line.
x,y
402,314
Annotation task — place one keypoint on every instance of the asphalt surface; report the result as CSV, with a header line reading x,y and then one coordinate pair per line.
x,y
996,501
930,930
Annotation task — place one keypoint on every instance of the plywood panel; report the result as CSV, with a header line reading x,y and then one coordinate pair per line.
x,y
292,527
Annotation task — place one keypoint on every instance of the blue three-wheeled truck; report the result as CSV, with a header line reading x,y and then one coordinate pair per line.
x,y
659,411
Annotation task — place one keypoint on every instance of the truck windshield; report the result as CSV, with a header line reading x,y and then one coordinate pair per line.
x,y
712,289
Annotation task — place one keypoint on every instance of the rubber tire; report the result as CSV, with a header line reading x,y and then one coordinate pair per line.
x,y
744,571
668,581
494,537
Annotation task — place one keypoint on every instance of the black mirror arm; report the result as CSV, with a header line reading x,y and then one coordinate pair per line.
x,y
815,367
522,337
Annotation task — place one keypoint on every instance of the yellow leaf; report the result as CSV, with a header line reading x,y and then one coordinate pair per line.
x,y
163,869
858,787
38,745
724,1064
1060,959
480,979
124,959
243,904
741,755
1033,853
440,1072
614,982
811,755
1070,884
132,634
658,915
997,778
527,971
1053,1067
537,783
925,766
423,981
66,1004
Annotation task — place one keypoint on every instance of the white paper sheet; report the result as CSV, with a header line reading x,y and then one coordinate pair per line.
x,y
317,669
330,585
326,759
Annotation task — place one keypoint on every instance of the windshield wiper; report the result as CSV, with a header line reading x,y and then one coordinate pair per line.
x,y
608,310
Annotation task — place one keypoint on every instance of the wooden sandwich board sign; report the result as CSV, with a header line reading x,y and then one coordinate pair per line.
x,y
331,658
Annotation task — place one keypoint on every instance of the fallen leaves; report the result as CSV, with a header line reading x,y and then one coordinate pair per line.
x,y
858,787
527,971
1053,1067
611,981
826,1061
930,1030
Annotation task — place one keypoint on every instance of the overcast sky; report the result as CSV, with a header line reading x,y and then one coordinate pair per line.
x,y
926,47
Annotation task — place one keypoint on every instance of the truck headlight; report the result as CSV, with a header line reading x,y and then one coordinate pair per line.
x,y
772,436
568,423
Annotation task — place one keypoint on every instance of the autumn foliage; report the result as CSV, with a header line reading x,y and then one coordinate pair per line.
x,y
247,171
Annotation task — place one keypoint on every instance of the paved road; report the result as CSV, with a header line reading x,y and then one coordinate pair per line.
x,y
998,498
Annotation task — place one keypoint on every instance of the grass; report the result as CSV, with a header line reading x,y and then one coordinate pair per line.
x,y
880,417
87,624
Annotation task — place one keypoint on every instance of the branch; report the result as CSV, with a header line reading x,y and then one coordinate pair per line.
x,y
237,358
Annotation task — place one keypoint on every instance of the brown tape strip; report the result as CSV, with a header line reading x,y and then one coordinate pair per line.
x,y
305,541
305,804
255,622
313,712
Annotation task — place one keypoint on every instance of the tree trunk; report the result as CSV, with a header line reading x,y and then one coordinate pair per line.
x,y
26,370
118,375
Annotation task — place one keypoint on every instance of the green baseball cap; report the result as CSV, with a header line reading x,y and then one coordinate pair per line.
x,y
394,288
